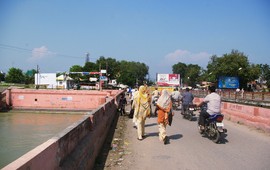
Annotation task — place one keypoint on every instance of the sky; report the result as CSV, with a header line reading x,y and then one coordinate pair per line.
x,y
56,34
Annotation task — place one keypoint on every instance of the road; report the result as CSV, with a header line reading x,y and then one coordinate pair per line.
x,y
242,149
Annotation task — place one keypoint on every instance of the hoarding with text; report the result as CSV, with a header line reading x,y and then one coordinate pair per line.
x,y
168,79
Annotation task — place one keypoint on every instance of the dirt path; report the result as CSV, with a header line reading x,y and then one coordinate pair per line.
x,y
116,151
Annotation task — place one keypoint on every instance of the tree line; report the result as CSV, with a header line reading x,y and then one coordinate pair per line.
x,y
134,73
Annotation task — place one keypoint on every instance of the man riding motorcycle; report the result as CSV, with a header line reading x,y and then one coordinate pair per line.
x,y
213,101
176,96
187,99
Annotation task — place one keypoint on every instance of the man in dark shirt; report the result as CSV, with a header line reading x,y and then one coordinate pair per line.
x,y
187,98
122,104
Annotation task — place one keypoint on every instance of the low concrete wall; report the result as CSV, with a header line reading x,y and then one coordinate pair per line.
x,y
252,116
77,146
57,99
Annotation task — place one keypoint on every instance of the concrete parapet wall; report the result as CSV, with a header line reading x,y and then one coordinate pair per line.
x,y
252,116
57,99
77,146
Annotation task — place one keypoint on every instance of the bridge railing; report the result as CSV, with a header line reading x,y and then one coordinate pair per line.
x,y
251,98
259,96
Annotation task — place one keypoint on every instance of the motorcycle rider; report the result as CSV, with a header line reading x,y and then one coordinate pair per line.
x,y
155,94
187,98
176,96
213,101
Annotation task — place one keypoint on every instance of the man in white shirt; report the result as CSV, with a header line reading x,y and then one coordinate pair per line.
x,y
176,95
213,101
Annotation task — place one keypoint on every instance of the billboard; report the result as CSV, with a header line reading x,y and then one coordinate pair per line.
x,y
48,79
168,79
225,82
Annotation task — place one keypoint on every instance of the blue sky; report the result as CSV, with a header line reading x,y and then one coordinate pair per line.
x,y
56,34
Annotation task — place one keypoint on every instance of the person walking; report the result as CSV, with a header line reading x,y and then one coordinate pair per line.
x,y
122,104
133,106
142,110
164,105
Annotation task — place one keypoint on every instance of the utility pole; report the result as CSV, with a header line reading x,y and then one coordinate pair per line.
x,y
100,74
87,58
37,86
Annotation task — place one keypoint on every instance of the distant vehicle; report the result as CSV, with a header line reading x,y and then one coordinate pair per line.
x,y
122,86
109,86
189,111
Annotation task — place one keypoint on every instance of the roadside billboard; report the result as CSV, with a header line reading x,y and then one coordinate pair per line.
x,y
226,82
48,79
168,79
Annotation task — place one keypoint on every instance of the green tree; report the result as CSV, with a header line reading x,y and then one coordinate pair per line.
x,y
2,76
76,68
132,73
265,73
15,75
30,76
192,74
188,73
180,68
109,64
233,64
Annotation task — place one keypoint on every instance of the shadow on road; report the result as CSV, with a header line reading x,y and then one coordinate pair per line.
x,y
176,136
152,124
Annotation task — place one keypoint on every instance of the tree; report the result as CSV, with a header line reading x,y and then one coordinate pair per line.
x,y
265,73
2,76
109,64
132,73
30,76
76,68
192,74
15,75
234,64
180,68
188,73
90,67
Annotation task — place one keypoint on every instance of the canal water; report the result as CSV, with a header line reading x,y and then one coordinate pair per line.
x,y
21,132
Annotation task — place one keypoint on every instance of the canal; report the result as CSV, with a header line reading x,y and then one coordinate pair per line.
x,y
21,132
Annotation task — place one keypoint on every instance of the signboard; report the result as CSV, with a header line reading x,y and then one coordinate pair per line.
x,y
48,79
168,79
103,71
103,78
225,82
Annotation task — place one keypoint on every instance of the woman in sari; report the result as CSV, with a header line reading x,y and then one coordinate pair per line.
x,y
142,110
164,105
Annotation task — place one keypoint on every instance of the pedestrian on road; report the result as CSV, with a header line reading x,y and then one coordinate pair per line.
x,y
142,110
164,105
133,106
122,104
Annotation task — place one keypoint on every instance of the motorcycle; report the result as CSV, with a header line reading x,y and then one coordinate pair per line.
x,y
188,111
175,104
214,128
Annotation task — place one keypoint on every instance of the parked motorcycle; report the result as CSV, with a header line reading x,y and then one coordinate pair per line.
x,y
188,111
214,127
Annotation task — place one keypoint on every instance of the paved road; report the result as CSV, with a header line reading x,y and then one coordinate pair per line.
x,y
243,149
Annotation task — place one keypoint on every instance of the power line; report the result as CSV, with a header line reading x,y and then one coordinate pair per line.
x,y
10,47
